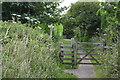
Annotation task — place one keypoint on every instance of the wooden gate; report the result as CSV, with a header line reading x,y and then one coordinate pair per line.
x,y
78,52
89,51
67,53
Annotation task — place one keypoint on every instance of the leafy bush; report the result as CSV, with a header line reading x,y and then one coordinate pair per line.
x,y
43,26
110,33
82,15
26,52
58,31
110,65
80,35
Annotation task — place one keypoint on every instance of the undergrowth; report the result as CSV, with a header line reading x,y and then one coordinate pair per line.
x,y
110,66
26,52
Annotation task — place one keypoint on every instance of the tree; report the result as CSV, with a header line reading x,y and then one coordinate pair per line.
x,y
82,15
43,11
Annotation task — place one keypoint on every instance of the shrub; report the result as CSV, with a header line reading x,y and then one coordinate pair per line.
x,y
110,65
58,31
26,52
82,15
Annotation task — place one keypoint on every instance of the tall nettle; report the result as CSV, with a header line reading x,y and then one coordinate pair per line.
x,y
58,30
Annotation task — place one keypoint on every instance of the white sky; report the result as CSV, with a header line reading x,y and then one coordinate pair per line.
x,y
67,2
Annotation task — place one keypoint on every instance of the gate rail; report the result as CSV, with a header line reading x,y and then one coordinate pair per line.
x,y
89,52
80,53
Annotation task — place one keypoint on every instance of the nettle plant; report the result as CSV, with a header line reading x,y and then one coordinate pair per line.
x,y
58,30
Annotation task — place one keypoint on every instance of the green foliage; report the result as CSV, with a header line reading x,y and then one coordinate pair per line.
x,y
44,27
110,55
45,12
27,52
58,30
82,15
110,33
110,14
66,75
68,22
79,34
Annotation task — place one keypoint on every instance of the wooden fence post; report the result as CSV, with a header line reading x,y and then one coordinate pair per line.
x,y
74,51
60,54
104,41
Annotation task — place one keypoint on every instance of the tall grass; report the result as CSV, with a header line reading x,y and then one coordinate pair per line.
x,y
110,66
26,52
0,64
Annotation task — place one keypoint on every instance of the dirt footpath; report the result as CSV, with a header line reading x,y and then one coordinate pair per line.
x,y
83,71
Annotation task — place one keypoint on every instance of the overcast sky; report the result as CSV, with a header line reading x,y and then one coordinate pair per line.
x,y
67,2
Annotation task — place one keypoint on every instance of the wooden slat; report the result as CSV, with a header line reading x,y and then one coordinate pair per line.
x,y
95,54
86,54
62,49
89,59
90,43
66,45
89,49
79,51
84,43
98,43
90,63
107,47
67,63
67,58
69,54
67,39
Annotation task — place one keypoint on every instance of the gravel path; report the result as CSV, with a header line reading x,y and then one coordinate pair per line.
x,y
83,71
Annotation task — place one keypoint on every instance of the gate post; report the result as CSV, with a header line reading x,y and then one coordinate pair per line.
x,y
60,54
72,43
74,51
104,41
